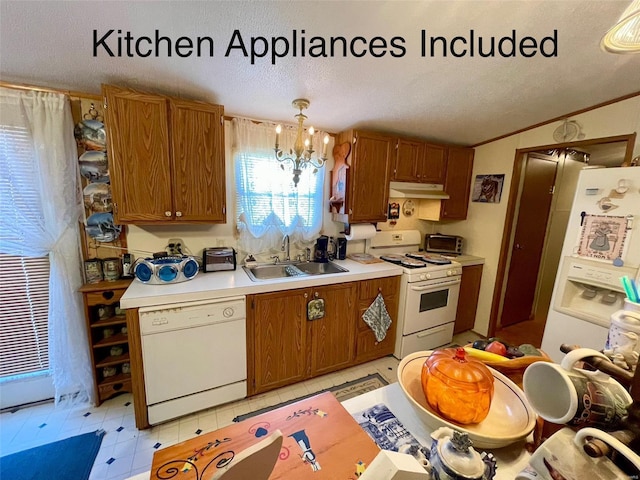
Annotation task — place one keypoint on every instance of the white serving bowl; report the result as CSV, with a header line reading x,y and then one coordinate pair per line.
x,y
510,417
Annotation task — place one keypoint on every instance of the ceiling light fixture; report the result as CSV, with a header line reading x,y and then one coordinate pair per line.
x,y
624,36
302,149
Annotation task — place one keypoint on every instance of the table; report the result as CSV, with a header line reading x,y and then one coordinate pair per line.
x,y
344,436
321,441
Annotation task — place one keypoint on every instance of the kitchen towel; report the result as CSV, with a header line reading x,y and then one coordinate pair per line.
x,y
377,317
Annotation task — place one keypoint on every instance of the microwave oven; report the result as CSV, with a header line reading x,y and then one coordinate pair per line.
x,y
440,243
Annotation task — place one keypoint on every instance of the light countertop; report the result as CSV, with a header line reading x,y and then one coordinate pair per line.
x,y
230,283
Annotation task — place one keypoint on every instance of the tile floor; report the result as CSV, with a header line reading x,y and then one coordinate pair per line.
x,y
127,451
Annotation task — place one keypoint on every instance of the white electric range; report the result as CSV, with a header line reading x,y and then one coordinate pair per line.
x,y
429,291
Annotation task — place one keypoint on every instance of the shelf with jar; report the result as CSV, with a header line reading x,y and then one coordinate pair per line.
x,y
108,337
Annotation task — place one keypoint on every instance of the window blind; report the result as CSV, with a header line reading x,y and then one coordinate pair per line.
x,y
24,305
264,189
24,281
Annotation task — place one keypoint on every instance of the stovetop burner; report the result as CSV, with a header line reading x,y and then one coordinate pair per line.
x,y
403,260
433,258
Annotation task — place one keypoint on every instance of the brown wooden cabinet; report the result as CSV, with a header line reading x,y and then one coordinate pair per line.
x,y
332,337
419,161
367,346
368,175
408,160
108,337
457,183
166,158
434,164
284,347
468,299
276,339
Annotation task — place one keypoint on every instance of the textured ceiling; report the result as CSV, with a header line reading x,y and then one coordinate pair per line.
x,y
462,100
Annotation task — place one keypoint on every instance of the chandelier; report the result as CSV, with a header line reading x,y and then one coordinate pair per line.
x,y
624,36
301,153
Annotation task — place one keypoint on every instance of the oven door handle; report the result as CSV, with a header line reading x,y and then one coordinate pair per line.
x,y
435,285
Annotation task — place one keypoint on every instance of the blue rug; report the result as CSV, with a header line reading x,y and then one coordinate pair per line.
x,y
71,458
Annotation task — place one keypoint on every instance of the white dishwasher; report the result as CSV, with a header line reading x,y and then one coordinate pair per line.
x,y
194,356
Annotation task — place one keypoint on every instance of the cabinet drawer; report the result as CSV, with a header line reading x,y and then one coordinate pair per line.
x,y
105,297
106,391
369,289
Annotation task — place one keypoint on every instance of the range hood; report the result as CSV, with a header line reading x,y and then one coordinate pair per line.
x,y
417,190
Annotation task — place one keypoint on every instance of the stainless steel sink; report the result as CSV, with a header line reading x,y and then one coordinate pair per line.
x,y
269,271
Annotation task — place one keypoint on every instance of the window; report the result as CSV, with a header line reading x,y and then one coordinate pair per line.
x,y
268,205
24,305
24,281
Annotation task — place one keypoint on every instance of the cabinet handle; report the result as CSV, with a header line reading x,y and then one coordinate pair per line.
x,y
178,214
306,295
315,294
350,211
167,214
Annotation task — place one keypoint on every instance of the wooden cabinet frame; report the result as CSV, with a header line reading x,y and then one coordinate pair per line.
x,y
167,158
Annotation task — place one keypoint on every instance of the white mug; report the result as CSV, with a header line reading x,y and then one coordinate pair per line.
x,y
563,456
563,394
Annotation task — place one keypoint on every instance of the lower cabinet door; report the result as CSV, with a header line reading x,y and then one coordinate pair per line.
x,y
277,333
333,336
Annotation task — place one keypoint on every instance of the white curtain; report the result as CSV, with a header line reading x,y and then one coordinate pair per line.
x,y
268,204
51,228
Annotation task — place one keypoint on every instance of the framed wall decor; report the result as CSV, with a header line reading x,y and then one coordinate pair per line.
x,y
488,188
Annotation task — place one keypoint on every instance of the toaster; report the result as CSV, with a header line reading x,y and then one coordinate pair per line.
x,y
217,259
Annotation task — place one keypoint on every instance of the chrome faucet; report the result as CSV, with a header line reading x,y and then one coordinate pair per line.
x,y
285,248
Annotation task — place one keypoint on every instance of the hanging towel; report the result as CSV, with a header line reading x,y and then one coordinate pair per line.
x,y
377,317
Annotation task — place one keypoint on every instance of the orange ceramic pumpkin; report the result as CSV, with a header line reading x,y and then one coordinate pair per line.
x,y
458,387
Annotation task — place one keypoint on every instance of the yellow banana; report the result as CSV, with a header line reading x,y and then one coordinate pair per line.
x,y
485,356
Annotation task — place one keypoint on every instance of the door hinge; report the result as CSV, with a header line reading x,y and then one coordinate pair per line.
x,y
115,208
221,120
552,189
355,139
104,104
224,210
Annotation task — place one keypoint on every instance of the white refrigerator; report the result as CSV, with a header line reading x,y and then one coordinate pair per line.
x,y
601,245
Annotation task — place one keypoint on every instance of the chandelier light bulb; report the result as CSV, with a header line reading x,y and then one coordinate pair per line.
x,y
301,155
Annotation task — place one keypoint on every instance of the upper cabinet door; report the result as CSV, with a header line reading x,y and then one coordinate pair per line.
x,y
457,183
409,155
369,185
434,164
138,151
197,134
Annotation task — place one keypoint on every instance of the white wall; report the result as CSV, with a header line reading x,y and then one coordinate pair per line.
x,y
485,222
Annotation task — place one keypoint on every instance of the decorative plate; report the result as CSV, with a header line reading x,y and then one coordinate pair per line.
x,y
510,418
94,166
91,134
97,197
100,227
408,208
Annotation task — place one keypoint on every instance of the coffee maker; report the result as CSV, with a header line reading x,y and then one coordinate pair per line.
x,y
321,254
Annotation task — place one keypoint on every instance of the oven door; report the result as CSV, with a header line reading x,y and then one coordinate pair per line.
x,y
430,303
